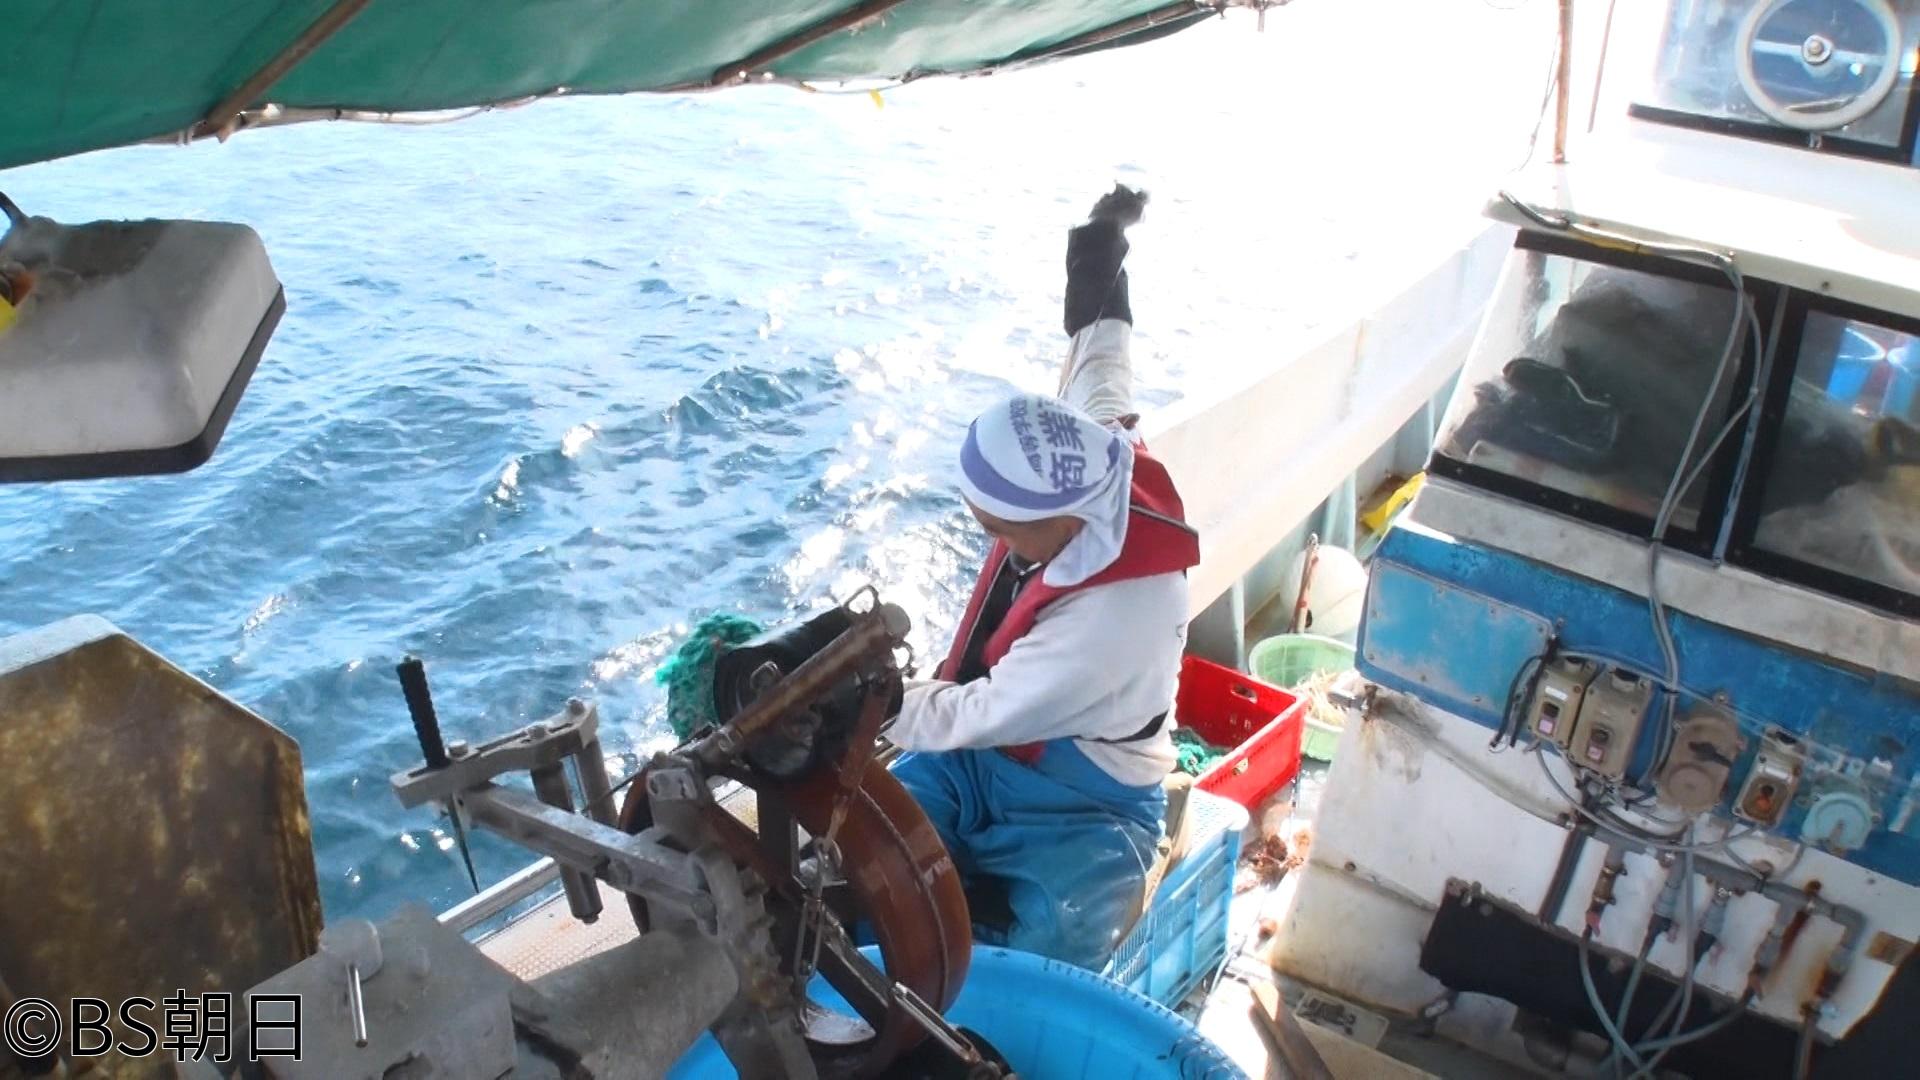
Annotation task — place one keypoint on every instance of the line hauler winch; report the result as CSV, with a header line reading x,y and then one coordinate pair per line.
x,y
838,844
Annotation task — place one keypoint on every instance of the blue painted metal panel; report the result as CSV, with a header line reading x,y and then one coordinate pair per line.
x,y
1419,622
1455,648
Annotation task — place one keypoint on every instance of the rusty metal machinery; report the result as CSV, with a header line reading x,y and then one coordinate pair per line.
x,y
139,804
759,894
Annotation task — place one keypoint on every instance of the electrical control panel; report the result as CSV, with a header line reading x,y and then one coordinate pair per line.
x,y
1766,738
1610,717
1706,743
1839,820
1771,780
1557,697
1906,820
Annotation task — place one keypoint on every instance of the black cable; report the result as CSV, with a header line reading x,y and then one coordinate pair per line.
x,y
1667,733
587,806
1511,716
12,209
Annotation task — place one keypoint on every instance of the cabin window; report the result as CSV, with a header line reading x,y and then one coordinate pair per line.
x,y
1584,384
1842,491
1828,74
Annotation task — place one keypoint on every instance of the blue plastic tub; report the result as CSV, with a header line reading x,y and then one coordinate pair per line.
x,y
1182,937
1053,1021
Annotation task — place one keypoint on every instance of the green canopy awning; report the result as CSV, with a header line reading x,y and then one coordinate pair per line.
x,y
80,75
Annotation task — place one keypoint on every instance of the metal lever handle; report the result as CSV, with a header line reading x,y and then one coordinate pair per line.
x,y
426,725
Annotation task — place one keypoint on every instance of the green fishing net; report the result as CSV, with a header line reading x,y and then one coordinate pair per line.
x,y
1193,754
688,673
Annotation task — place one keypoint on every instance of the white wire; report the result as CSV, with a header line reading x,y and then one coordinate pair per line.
x,y
1619,833
1620,1044
1623,1018
1686,978
1751,723
1663,632
1741,314
1800,852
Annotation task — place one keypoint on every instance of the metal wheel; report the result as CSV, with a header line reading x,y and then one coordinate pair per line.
x,y
898,880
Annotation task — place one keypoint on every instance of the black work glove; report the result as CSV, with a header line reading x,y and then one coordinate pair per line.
x,y
1096,254
1122,206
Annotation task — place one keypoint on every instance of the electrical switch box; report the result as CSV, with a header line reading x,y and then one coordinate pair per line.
x,y
1770,784
1557,696
1705,743
1610,718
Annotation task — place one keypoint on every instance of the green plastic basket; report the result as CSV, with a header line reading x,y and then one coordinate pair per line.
x,y
1320,741
1291,659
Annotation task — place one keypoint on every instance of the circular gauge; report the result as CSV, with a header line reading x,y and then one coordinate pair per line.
x,y
1818,65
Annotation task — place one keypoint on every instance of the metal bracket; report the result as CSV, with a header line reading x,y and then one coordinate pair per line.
x,y
538,745
221,119
641,864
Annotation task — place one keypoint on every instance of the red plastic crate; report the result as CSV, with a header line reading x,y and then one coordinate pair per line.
x,y
1264,724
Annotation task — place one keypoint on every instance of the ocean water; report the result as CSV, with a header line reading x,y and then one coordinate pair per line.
x,y
552,382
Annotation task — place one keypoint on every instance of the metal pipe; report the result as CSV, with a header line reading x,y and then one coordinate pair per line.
x,y
936,1025
500,896
230,107
1770,948
583,893
632,864
1149,20
1803,1049
752,64
1563,90
1712,925
1610,871
1562,881
1600,69
356,1005
596,787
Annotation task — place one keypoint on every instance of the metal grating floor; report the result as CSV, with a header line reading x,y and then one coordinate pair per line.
x,y
548,938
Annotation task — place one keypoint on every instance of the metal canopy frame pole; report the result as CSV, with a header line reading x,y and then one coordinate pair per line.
x,y
1563,88
753,64
221,118
1146,21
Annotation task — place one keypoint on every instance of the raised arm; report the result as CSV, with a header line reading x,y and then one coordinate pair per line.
x,y
1098,376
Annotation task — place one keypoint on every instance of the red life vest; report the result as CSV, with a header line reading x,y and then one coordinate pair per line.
x,y
1158,541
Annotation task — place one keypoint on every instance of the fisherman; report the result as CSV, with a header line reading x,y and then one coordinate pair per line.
x,y
1040,750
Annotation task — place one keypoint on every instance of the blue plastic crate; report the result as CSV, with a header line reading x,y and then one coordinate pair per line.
x,y
1182,937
